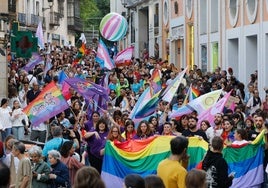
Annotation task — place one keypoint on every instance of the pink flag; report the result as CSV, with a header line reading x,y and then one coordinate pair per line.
x,y
232,106
123,58
210,113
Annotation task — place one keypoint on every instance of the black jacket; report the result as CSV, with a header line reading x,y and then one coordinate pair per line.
x,y
217,170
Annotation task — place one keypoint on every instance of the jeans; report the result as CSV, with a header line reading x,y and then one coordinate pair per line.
x,y
18,132
6,133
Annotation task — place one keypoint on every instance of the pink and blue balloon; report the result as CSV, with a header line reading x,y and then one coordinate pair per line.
x,y
113,26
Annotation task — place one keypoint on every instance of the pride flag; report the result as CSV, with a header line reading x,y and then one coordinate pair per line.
x,y
48,66
145,96
143,156
247,162
212,111
172,88
194,93
82,48
200,104
87,89
156,80
148,108
48,103
103,57
134,156
33,61
62,76
40,35
123,58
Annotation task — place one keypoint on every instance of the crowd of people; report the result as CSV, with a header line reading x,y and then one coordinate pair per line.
x,y
74,139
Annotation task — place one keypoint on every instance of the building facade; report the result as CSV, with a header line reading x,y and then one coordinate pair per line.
x,y
208,33
60,21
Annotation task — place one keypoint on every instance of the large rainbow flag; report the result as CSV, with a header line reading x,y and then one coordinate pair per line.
x,y
143,156
247,163
47,104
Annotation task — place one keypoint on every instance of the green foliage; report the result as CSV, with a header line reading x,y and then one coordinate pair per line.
x,y
88,9
92,11
104,6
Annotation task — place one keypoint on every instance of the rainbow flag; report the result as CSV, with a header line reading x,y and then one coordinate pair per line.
x,y
143,156
82,48
194,93
48,103
134,156
247,162
156,80
103,57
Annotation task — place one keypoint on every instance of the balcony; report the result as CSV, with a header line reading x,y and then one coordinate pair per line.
x,y
30,20
132,3
22,19
74,24
35,20
54,19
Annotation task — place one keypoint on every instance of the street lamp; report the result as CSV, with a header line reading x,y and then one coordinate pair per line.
x,y
50,4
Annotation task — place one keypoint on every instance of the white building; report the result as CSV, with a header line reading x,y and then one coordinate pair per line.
x,y
208,33
60,19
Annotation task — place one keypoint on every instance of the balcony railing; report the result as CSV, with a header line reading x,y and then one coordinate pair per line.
x,y
30,20
75,24
35,20
132,3
22,18
54,19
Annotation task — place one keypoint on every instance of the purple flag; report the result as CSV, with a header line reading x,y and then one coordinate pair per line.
x,y
33,61
87,89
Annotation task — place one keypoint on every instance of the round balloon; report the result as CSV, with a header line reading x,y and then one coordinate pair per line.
x,y
113,26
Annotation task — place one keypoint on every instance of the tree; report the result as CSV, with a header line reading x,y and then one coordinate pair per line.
x,y
88,9
103,6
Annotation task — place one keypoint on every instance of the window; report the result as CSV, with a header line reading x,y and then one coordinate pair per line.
x,y
176,7
233,12
70,10
156,16
165,17
252,6
189,8
37,8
